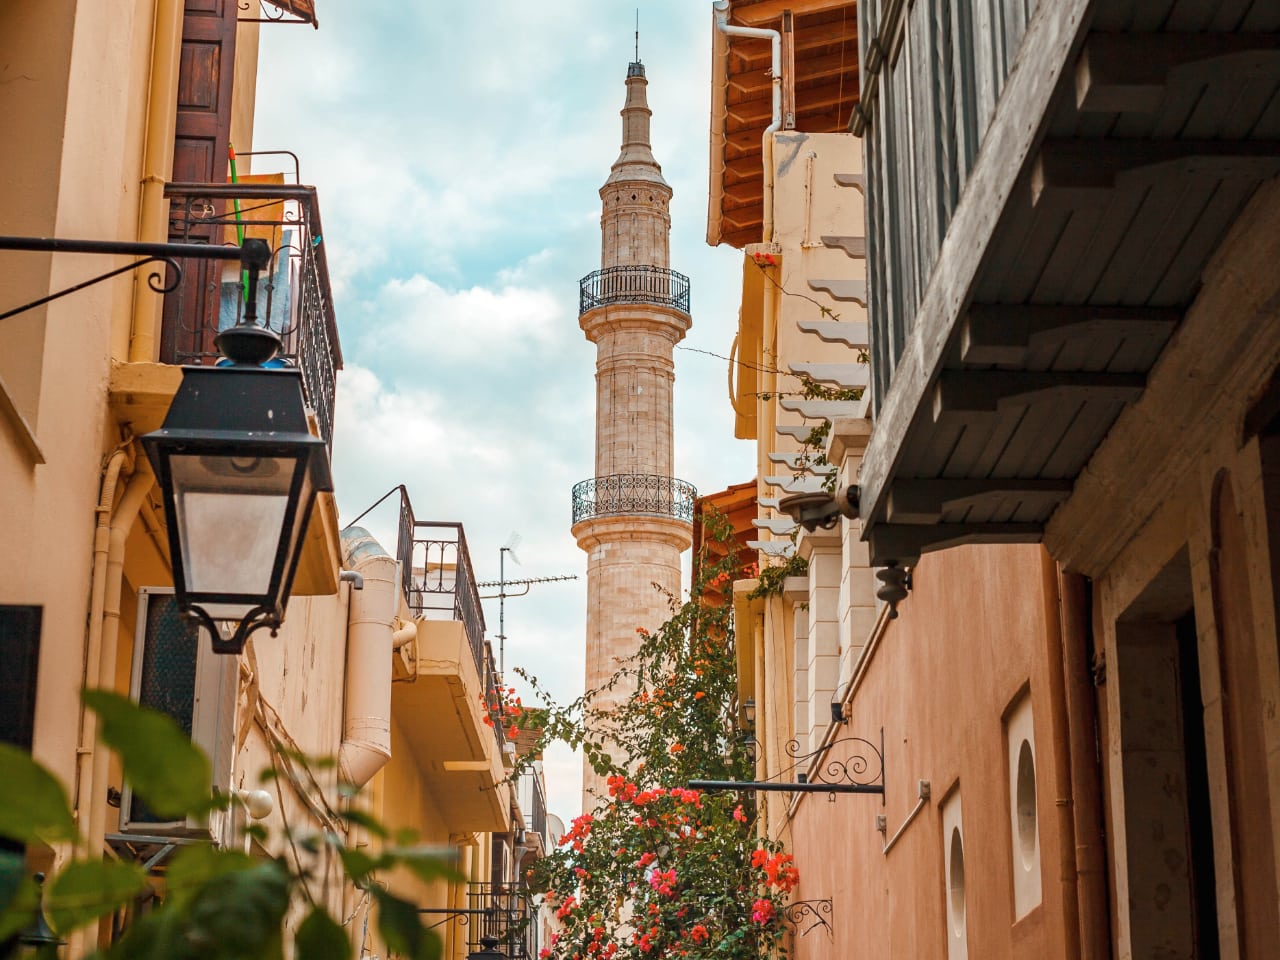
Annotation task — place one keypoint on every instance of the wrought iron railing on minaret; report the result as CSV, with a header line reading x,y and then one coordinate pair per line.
x,y
634,284
633,494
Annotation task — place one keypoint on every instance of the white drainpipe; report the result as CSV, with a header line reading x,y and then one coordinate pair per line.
x,y
721,8
366,720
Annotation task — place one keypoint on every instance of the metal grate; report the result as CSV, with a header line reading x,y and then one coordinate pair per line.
x,y
637,284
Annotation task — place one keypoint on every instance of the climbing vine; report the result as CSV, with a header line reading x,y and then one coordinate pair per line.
x,y
656,869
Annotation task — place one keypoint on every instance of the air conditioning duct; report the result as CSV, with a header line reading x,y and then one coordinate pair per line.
x,y
176,672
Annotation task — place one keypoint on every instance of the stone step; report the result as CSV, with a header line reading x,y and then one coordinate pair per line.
x,y
820,409
773,548
850,332
848,375
797,484
855,180
855,247
848,291
778,525
801,461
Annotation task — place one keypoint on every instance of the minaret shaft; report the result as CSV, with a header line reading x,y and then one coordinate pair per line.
x,y
633,518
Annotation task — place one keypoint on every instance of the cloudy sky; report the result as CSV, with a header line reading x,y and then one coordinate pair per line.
x,y
458,150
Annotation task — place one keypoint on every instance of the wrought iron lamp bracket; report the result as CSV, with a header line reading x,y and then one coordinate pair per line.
x,y
256,619
250,254
861,771
815,913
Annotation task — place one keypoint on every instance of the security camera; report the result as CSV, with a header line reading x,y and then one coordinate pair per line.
x,y
821,509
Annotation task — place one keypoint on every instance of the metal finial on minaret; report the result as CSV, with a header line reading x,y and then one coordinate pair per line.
x,y
635,68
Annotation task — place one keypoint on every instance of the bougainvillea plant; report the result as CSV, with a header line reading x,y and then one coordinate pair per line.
x,y
657,870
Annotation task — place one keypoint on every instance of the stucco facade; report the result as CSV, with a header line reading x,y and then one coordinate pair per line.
x,y
98,94
1049,577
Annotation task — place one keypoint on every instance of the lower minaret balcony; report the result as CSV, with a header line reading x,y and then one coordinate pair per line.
x,y
634,284
633,495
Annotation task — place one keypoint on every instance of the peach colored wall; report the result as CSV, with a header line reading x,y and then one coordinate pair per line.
x,y
72,77
972,635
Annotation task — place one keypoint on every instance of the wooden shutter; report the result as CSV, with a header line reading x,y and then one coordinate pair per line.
x,y
203,131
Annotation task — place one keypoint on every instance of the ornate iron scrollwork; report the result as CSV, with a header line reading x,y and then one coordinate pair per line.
x,y
810,914
856,767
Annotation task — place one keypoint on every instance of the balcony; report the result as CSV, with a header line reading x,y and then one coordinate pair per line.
x,y
655,286
633,494
501,912
1035,245
294,296
451,721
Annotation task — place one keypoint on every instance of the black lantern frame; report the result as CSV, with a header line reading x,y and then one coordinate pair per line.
x,y
239,414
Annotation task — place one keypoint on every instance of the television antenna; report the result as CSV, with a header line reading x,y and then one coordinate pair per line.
x,y
502,583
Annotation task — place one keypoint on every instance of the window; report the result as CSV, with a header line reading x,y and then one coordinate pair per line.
x,y
1024,825
20,650
953,867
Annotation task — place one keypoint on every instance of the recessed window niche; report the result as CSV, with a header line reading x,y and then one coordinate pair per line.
x,y
1024,822
953,867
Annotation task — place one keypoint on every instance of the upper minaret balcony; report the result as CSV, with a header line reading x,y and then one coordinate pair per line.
x,y
642,284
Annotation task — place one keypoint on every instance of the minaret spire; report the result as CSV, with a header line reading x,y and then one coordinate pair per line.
x,y
633,518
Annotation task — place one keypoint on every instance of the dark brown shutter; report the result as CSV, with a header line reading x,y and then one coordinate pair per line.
x,y
203,132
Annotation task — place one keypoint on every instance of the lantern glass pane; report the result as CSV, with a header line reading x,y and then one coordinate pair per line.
x,y
231,514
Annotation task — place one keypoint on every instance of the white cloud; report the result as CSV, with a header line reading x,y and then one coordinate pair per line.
x,y
458,160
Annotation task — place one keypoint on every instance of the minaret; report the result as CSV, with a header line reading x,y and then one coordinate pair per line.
x,y
632,518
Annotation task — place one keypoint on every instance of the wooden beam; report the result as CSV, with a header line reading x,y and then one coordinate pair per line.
x,y
1014,128
743,168
749,191
766,12
1002,334
964,392
1128,72
754,53
822,67
925,501
1087,169
903,543
744,143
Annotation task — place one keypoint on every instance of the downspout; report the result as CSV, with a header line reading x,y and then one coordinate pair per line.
x,y
1064,827
1082,730
117,462
157,160
721,8
92,759
122,521
366,721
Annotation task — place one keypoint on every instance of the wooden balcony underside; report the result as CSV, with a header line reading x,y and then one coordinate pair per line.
x,y
1039,326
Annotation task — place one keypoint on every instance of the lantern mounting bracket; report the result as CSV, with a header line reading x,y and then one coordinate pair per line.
x,y
250,255
860,771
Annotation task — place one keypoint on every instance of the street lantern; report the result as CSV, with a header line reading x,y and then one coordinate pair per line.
x,y
488,950
239,471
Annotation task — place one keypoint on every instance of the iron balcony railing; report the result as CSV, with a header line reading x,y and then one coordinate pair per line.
x,y
438,579
294,296
500,911
639,284
634,494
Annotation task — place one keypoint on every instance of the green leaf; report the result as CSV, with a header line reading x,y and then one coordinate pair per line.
x,y
195,865
169,772
401,926
33,805
430,863
240,914
321,938
87,889
357,863
18,897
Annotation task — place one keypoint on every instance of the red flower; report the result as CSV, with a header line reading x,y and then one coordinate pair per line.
x,y
762,910
742,818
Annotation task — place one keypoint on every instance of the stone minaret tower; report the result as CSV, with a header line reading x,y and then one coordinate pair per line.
x,y
632,518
